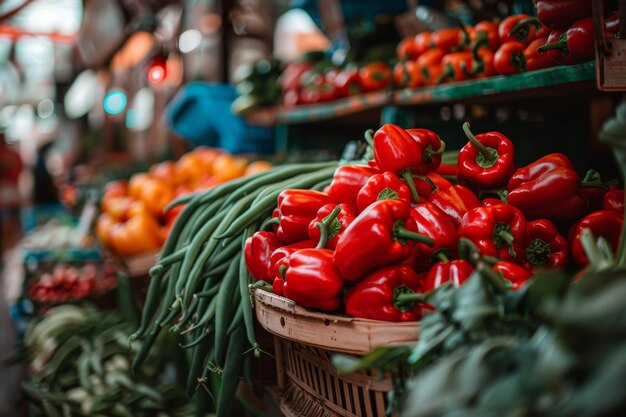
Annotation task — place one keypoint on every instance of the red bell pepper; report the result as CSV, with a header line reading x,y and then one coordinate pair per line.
x,y
407,74
611,24
510,59
492,201
296,210
348,181
407,49
455,272
614,200
487,161
379,296
561,14
489,31
519,28
385,186
375,76
330,223
383,234
592,187
516,275
311,279
498,231
434,223
430,65
257,251
455,202
545,247
423,42
431,146
428,184
603,223
450,39
279,258
573,46
347,82
455,66
483,59
534,59
446,169
549,188
396,151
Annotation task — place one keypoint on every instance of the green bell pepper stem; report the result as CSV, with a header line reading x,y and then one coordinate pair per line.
x,y
325,226
481,148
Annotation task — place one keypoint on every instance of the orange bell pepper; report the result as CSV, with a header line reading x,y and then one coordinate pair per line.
x,y
227,167
156,194
139,234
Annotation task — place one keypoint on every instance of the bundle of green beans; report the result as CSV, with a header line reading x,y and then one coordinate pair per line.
x,y
199,285
87,373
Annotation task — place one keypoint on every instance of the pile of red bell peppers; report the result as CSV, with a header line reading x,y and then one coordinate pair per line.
x,y
382,235
310,82
562,33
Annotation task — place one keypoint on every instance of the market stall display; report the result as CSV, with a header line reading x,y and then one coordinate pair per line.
x,y
79,365
133,222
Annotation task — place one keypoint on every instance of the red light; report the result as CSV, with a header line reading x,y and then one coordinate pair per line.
x,y
157,70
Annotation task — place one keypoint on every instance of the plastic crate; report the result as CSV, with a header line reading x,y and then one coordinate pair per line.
x,y
34,216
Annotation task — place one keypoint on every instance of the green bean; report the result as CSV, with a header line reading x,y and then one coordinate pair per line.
x,y
207,213
149,307
148,391
218,270
205,334
180,222
230,376
121,410
95,358
208,315
247,368
66,410
198,358
82,367
167,302
209,293
60,356
237,319
168,260
39,394
195,274
248,315
321,185
143,352
226,253
49,409
192,254
259,210
275,175
225,294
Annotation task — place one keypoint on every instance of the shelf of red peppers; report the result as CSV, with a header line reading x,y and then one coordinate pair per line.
x,y
383,234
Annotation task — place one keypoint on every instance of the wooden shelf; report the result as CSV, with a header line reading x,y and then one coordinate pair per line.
x,y
542,83
513,86
331,110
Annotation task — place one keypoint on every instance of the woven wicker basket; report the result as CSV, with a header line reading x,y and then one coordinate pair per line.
x,y
304,342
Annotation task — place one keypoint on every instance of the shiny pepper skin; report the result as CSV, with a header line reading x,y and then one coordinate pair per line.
x,y
455,201
386,186
311,279
614,200
376,238
430,145
516,275
337,226
455,272
498,231
603,223
434,223
257,251
348,181
548,188
297,208
545,247
375,296
487,160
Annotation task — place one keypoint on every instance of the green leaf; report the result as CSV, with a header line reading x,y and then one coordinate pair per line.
x,y
545,290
